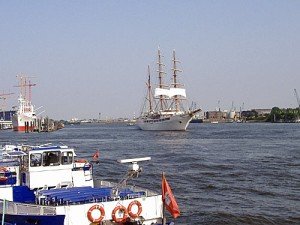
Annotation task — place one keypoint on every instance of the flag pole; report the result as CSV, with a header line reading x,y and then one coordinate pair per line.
x,y
164,208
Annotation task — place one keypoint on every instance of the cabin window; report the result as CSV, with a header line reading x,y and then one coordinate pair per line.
x,y
35,159
25,161
66,158
51,158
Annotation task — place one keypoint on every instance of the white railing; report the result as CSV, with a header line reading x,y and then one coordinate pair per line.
x,y
101,183
14,208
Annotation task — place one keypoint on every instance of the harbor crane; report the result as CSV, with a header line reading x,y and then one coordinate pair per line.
x,y
297,97
4,96
25,83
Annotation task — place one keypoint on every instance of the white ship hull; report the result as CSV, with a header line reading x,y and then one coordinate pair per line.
x,y
174,123
21,213
23,122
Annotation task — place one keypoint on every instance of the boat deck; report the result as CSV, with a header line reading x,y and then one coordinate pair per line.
x,y
79,195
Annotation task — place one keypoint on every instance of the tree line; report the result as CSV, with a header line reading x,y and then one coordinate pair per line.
x,y
276,115
288,115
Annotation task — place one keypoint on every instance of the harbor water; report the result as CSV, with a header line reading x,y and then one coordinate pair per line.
x,y
220,173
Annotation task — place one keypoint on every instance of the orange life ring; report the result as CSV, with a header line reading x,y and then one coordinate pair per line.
x,y
100,218
139,205
3,179
81,160
3,169
120,219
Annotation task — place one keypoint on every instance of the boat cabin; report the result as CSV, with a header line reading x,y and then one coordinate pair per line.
x,y
45,167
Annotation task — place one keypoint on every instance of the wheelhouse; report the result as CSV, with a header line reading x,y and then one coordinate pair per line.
x,y
54,166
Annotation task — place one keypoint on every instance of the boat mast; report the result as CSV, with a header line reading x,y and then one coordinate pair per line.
x,y
149,91
160,78
175,84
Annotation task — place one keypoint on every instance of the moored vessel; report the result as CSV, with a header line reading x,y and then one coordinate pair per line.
x,y
46,185
25,118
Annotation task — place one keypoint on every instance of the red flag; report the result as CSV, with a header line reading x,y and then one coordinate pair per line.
x,y
169,199
96,154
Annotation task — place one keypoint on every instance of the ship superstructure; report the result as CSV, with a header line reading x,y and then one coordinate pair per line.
x,y
25,118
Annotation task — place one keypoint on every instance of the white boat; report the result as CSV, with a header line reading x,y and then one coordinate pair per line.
x,y
46,185
164,110
25,118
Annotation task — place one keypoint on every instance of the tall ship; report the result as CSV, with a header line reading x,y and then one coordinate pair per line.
x,y
164,107
25,118
48,185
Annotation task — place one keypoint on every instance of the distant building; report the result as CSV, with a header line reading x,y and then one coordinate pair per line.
x,y
215,116
249,113
262,112
7,115
255,113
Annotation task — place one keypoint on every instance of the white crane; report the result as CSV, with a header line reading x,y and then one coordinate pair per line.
x,y
297,97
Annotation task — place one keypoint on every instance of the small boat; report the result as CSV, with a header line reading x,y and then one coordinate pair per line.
x,y
47,185
164,109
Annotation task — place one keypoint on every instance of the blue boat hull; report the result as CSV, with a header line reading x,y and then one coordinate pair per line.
x,y
34,220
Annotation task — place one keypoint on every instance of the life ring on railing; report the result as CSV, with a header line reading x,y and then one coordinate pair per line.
x,y
120,219
129,208
96,219
81,160
4,170
3,179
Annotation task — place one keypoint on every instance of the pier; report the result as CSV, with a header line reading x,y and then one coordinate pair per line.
x,y
43,125
5,124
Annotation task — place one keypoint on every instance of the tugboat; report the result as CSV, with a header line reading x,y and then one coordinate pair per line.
x,y
47,185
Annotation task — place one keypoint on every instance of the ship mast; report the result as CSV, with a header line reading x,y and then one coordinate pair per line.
x,y
175,84
149,91
25,83
25,96
160,78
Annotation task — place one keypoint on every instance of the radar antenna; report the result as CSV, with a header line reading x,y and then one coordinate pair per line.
x,y
133,171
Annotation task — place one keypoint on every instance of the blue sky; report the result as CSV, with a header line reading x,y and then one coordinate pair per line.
x,y
91,56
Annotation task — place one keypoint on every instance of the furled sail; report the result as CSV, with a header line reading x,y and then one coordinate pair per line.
x,y
177,91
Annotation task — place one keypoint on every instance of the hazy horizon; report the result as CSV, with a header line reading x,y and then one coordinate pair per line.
x,y
91,57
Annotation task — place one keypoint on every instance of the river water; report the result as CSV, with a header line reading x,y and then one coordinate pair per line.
x,y
219,173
